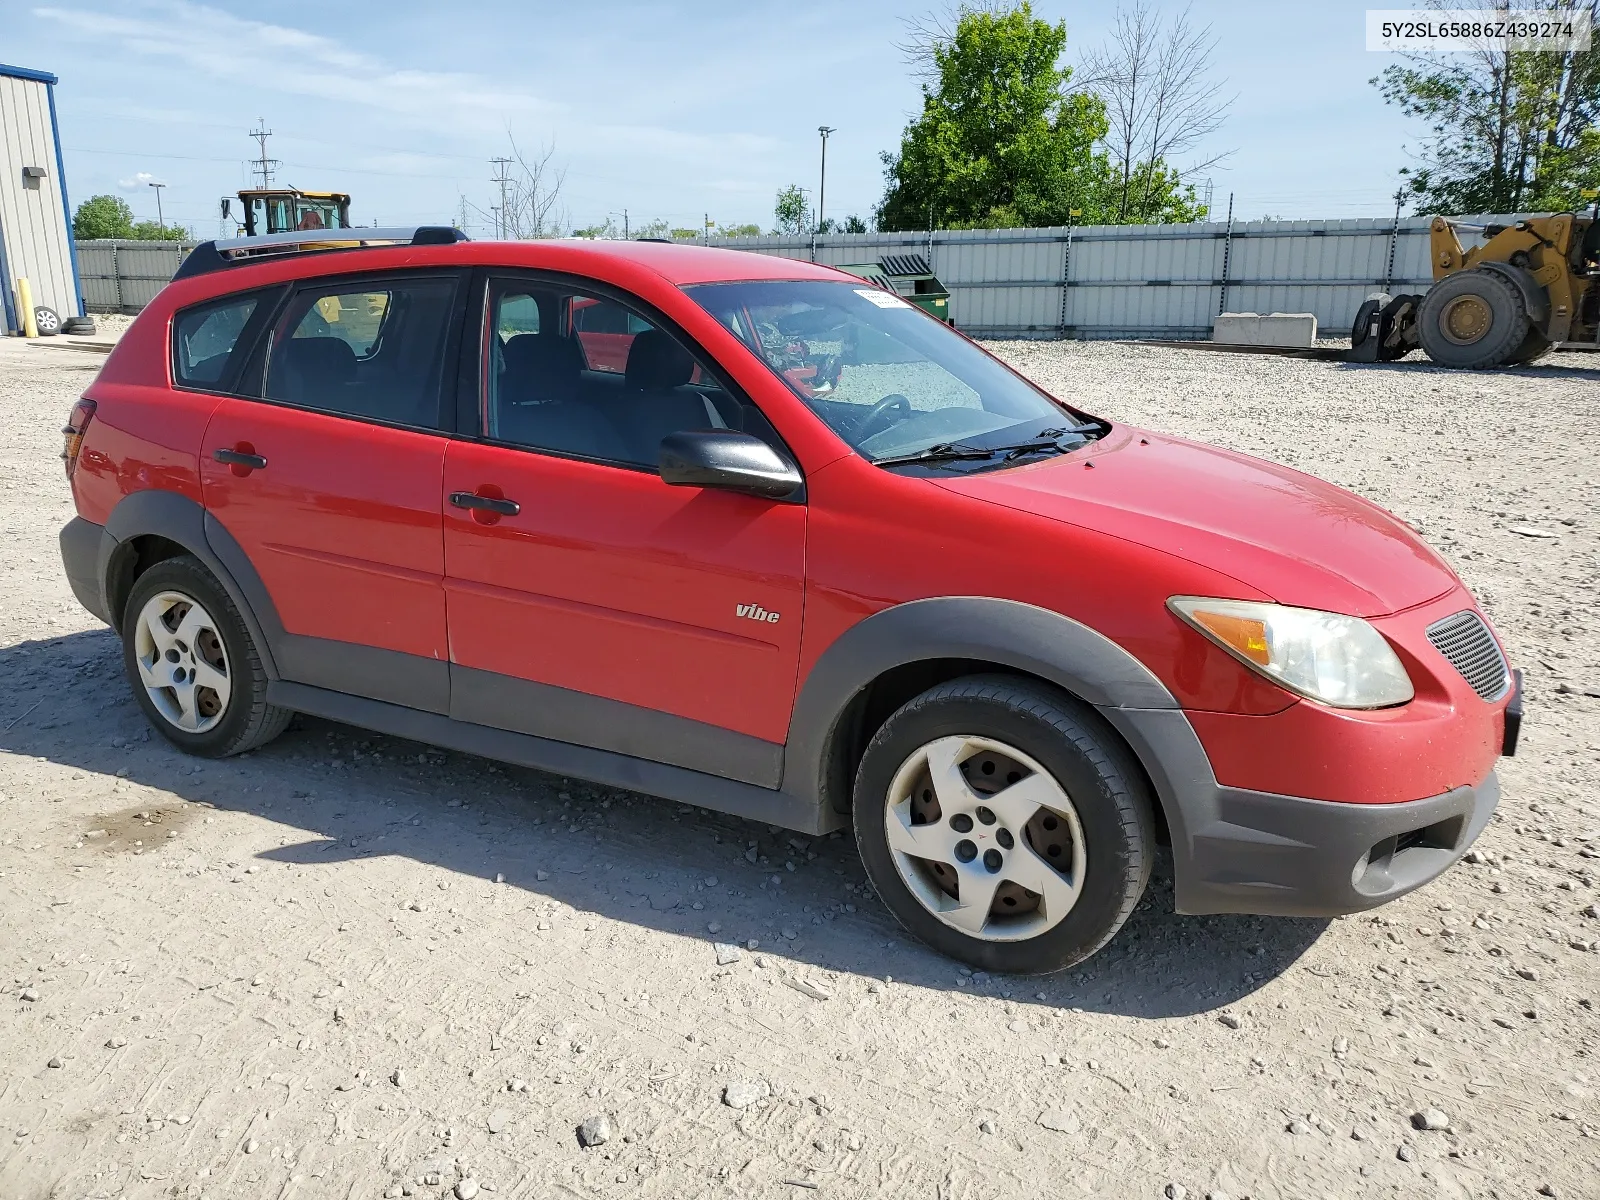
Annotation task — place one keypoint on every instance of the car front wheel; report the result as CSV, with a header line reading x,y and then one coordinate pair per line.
x,y
193,667
1004,824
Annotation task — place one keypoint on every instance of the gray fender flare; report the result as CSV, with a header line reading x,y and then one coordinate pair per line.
x,y
1534,296
1027,639
179,519
1020,636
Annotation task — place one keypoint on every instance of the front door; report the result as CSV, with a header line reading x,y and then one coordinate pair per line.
x,y
588,600
329,484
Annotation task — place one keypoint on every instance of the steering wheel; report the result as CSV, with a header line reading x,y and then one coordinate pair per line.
x,y
894,402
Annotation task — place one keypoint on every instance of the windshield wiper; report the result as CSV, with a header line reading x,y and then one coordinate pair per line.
x,y
942,452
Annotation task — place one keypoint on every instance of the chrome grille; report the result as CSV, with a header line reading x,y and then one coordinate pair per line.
x,y
1466,641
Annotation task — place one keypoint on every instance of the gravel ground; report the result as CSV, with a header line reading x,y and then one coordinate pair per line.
x,y
352,966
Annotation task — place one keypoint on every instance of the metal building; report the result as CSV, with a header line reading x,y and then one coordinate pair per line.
x,y
35,221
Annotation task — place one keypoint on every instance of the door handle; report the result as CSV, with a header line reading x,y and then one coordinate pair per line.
x,y
240,458
506,508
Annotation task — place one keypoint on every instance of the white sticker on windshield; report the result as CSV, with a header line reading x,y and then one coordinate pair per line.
x,y
881,299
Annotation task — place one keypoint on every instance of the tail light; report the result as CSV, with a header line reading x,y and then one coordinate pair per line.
x,y
77,425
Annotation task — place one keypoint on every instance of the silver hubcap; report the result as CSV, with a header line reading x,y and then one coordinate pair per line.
x,y
182,662
985,838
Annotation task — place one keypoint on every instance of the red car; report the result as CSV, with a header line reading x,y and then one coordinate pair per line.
x,y
752,534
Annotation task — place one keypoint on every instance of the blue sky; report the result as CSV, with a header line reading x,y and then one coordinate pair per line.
x,y
670,110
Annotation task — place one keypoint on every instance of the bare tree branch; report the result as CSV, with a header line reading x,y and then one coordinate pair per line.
x,y
1162,101
533,207
933,29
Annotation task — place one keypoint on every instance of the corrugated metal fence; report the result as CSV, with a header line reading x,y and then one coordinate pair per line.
x,y
125,276
1151,281
1098,281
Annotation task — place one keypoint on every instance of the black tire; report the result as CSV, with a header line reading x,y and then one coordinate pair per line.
x,y
248,720
1535,346
79,326
1360,329
1474,319
46,321
1081,753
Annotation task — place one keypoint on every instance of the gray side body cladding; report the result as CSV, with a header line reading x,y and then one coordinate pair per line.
x,y
1233,850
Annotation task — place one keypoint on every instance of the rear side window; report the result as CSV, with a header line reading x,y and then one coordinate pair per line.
x,y
205,338
374,350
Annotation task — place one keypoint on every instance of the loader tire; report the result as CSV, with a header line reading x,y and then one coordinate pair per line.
x,y
1474,319
1535,346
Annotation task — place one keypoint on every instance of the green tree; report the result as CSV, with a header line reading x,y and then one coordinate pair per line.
x,y
791,211
149,231
1507,131
102,217
854,224
747,230
1000,141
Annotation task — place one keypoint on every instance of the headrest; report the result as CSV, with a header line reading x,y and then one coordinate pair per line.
x,y
541,367
327,360
656,363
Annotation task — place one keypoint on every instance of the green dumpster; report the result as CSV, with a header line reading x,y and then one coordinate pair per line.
x,y
908,276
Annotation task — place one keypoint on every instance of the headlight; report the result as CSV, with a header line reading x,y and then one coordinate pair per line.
x,y
1337,660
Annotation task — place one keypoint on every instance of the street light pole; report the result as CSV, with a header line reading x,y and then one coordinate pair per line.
x,y
160,220
822,184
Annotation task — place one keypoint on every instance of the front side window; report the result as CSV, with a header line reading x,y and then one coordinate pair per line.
x,y
373,350
891,381
204,339
589,377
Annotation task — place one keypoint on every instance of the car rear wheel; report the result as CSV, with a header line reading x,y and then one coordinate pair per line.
x,y
193,667
1004,824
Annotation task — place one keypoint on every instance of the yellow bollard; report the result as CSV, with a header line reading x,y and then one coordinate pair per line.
x,y
30,327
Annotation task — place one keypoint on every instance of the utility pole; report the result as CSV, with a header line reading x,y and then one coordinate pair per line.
x,y
264,165
822,183
160,220
500,165
706,236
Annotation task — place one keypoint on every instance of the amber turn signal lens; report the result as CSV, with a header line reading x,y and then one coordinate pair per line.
x,y
1247,637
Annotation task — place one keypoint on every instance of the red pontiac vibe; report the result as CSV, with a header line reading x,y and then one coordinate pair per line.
x,y
752,534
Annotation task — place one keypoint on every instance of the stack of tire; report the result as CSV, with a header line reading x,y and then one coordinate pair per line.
x,y
49,323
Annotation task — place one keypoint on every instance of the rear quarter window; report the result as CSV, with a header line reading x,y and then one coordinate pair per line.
x,y
204,339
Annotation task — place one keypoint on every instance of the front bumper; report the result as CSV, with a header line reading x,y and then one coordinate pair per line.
x,y
1241,851
1285,856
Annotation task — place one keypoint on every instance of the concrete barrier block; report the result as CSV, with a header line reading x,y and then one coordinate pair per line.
x,y
1236,329
1289,329
1271,329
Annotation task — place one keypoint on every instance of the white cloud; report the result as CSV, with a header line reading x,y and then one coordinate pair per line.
x,y
140,180
208,42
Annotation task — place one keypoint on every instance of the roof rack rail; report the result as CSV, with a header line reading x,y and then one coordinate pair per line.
x,y
219,255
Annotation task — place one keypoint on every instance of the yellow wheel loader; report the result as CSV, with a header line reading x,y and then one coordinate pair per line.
x,y
1532,285
286,210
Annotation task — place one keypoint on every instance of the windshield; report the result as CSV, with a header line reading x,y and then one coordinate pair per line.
x,y
893,382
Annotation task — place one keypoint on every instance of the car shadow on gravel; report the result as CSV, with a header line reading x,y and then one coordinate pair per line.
x,y
337,794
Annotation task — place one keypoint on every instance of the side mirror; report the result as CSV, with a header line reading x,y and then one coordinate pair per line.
x,y
721,458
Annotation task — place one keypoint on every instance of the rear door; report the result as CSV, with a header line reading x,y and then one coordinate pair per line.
x,y
590,601
329,482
